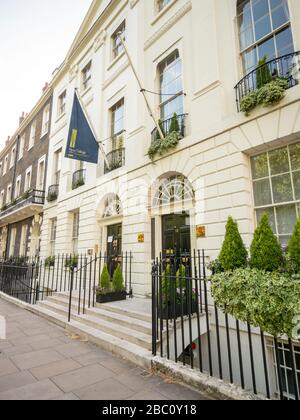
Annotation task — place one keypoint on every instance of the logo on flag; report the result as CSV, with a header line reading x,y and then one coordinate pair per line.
x,y
82,144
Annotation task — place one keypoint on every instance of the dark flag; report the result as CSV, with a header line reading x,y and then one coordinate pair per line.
x,y
82,144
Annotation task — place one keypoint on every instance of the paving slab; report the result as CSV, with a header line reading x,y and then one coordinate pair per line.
x,y
41,361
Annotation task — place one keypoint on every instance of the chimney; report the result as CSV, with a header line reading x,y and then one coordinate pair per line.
x,y
45,88
21,119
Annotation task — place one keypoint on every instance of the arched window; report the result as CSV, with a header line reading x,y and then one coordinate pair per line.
x,y
112,206
175,189
264,31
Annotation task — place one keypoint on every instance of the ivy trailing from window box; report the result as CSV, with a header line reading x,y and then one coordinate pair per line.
x,y
268,94
170,141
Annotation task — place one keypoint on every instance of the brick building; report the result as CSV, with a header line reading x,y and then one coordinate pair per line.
x,y
23,163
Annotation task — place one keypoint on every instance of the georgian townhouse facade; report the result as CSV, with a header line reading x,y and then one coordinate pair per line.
x,y
23,165
198,59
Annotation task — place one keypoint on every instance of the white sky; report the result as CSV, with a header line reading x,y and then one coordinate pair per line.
x,y
35,37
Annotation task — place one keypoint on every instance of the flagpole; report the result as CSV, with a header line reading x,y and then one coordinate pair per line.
x,y
92,128
151,113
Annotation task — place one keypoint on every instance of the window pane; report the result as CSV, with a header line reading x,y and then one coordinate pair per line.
x,y
260,166
282,189
267,49
250,60
284,42
262,27
279,161
296,178
262,193
295,156
280,12
271,216
286,219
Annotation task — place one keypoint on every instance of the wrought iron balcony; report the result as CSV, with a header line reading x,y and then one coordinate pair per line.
x,y
53,191
166,126
25,204
78,179
116,160
287,66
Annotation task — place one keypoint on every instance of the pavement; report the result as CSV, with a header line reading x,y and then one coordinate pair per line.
x,y
41,361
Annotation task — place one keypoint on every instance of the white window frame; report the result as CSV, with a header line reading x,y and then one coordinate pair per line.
x,y
52,237
75,231
32,135
5,165
61,103
23,240
26,186
86,76
46,120
57,165
9,194
2,194
12,157
41,161
21,147
116,48
18,182
12,242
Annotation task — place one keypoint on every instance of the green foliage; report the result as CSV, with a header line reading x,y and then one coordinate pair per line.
x,y
118,281
249,102
266,253
181,278
233,254
215,267
267,95
272,93
269,301
105,280
166,284
174,126
52,197
50,262
263,73
293,249
71,262
170,141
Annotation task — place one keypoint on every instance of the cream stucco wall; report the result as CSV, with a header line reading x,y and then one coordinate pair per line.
x,y
215,154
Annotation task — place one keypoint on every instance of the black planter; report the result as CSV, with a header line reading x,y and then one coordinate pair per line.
x,y
111,297
178,309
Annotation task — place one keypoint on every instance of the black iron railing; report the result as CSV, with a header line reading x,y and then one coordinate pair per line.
x,y
116,160
53,191
166,126
189,328
79,178
287,66
29,197
34,279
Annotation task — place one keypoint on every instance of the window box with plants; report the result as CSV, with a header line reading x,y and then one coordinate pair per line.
x,y
178,296
111,290
52,196
71,262
50,262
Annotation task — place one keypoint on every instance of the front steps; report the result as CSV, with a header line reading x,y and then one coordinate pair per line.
x,y
122,331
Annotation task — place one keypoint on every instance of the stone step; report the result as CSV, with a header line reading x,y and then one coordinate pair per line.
x,y
119,331
122,348
119,319
116,307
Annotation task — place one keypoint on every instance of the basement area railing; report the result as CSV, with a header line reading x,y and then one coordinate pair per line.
x,y
188,328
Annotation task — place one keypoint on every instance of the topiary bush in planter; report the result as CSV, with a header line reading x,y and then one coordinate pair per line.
x,y
233,253
293,249
268,300
266,253
111,291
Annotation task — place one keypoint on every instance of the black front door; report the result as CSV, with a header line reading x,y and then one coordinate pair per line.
x,y
176,235
114,247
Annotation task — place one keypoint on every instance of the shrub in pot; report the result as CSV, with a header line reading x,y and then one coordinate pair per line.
x,y
111,291
233,253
